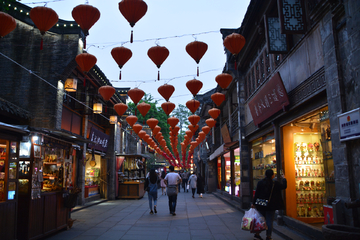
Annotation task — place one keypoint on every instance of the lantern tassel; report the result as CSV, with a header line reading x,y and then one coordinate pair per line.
x,y
120,75
41,43
131,37
159,75
197,70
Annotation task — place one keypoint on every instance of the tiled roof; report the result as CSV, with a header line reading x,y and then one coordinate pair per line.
x,y
13,109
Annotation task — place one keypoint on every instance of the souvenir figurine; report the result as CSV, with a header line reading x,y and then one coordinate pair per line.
x,y
317,146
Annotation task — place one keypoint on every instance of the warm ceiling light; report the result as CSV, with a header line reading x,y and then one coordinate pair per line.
x,y
97,108
70,85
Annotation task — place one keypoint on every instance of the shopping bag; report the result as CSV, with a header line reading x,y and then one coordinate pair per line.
x,y
187,186
248,219
259,223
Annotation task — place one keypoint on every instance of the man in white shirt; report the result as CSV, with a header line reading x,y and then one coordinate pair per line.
x,y
172,179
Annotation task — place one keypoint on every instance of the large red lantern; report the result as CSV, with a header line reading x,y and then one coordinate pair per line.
x,y
152,122
143,108
172,121
214,113
121,55
224,80
86,16
218,98
133,11
131,120
120,108
86,61
194,119
166,91
7,24
168,107
44,18
210,122
136,94
193,105
234,43
158,55
194,86
137,128
196,50
106,92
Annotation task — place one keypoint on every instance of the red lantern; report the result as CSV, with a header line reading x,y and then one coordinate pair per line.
x,y
194,86
193,128
151,122
143,108
141,133
86,16
133,11
136,94
189,133
137,128
121,55
194,119
106,92
168,107
206,129
131,120
156,130
166,91
214,113
224,80
158,55
120,108
210,122
193,105
218,98
176,130
196,50
172,121
44,18
86,61
7,24
234,43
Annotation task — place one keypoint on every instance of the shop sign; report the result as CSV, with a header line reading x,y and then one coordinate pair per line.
x,y
54,143
271,98
349,125
100,139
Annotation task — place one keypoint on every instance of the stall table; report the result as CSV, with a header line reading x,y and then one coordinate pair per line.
x,y
131,190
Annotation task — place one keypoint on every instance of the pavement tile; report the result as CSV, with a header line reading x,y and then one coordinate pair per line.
x,y
111,235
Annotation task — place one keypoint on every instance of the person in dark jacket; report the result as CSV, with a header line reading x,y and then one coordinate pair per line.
x,y
152,189
269,190
200,185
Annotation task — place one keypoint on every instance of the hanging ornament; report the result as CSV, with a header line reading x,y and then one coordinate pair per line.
x,y
141,133
193,105
166,91
158,55
156,130
121,55
196,50
194,119
218,98
106,92
143,108
224,80
131,120
86,16
210,122
234,43
120,108
136,94
168,107
194,86
152,122
44,18
193,128
172,121
206,129
214,113
7,24
137,128
133,11
86,61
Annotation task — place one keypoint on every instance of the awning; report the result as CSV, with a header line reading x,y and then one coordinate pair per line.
x,y
14,128
65,135
231,144
217,152
132,155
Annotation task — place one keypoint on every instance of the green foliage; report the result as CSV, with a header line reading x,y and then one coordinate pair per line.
x,y
4,7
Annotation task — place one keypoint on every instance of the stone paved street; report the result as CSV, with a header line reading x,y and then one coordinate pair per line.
x,y
199,218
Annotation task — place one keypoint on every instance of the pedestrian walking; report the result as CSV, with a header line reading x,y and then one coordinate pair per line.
x,y
193,183
162,183
179,184
152,189
185,178
200,185
172,180
268,189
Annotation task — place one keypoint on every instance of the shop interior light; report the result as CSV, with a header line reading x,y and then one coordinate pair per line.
x,y
35,138
70,85
302,129
113,119
97,108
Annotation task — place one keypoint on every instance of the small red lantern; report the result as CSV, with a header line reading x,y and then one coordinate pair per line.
x,y
158,55
133,11
194,86
143,108
214,113
224,80
168,107
120,108
141,133
218,98
121,55
156,130
86,16
194,119
210,122
166,91
131,120
206,129
196,50
152,122
137,128
189,133
44,18
136,94
106,92
7,24
193,105
234,43
193,128
172,121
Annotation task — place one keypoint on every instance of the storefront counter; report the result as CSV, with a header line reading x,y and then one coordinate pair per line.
x,y
131,190
91,190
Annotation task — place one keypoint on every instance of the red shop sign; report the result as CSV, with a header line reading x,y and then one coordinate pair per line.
x,y
271,98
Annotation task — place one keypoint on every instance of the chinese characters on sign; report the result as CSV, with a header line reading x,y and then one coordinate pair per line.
x,y
349,125
271,98
99,138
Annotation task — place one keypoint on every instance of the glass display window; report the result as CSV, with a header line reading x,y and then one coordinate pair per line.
x,y
237,173
50,170
219,175
227,172
92,169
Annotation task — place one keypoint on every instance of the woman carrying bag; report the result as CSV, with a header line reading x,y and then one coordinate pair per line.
x,y
151,188
268,199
